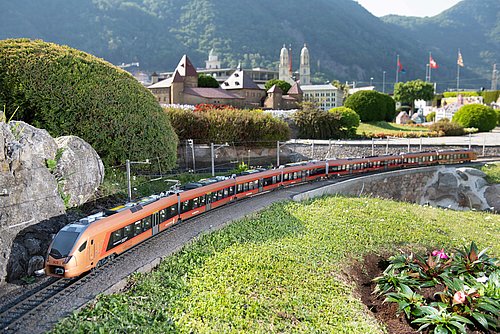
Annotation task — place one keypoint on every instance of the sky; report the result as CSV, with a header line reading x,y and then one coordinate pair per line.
x,y
407,7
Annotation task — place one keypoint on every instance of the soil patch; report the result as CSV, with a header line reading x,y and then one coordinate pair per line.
x,y
363,274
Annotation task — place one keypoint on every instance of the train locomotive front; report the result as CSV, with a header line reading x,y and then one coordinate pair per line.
x,y
68,252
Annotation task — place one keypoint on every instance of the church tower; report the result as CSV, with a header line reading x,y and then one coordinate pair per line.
x,y
305,67
213,61
284,67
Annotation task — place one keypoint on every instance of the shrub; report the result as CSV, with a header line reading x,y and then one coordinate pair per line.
x,y
430,116
205,80
390,107
490,96
228,125
313,123
476,116
447,128
368,105
69,92
349,121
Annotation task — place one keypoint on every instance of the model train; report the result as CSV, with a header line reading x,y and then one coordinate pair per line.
x,y
91,241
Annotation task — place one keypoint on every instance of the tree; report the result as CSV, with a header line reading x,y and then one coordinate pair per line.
x,y
283,85
477,116
368,104
408,92
342,88
209,81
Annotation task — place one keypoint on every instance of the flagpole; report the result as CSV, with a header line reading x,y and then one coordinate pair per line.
x,y
458,77
397,69
430,66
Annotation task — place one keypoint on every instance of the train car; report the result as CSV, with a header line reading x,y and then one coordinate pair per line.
x,y
455,156
204,195
89,242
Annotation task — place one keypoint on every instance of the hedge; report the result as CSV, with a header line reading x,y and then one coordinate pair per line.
x,y
228,125
477,116
69,92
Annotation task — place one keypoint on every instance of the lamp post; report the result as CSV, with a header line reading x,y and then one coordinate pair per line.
x,y
129,185
371,81
213,150
383,82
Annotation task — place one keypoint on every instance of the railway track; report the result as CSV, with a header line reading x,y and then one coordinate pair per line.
x,y
23,314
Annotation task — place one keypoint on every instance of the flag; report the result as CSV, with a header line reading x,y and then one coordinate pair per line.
x,y
400,67
432,63
460,60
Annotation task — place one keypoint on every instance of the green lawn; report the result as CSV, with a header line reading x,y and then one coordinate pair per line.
x,y
281,271
492,171
389,128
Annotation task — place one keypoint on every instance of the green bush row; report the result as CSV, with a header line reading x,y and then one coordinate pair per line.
x,y
228,125
69,92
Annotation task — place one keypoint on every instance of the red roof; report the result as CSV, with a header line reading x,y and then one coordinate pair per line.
x,y
211,93
295,90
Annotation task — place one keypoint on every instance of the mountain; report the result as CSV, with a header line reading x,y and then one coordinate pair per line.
x,y
472,26
346,42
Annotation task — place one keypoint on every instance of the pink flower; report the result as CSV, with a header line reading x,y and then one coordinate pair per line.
x,y
459,297
440,253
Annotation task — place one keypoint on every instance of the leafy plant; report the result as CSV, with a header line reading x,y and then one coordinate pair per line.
x,y
467,282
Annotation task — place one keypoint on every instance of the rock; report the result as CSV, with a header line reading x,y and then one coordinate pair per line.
x,y
462,175
29,194
447,183
471,171
480,183
35,263
492,195
32,245
80,168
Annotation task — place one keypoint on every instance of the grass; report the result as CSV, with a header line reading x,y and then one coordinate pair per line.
x,y
281,271
492,171
388,128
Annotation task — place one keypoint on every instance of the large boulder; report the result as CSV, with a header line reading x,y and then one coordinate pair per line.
x,y
80,168
492,195
31,206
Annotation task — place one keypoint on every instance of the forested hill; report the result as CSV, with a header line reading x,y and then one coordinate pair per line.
x,y
346,42
472,26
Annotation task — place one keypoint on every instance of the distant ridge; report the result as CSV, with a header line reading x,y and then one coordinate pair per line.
x,y
346,42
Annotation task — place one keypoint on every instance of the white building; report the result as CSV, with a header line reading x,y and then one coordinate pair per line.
x,y
326,96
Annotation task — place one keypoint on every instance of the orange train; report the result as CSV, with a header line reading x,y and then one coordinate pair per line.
x,y
91,241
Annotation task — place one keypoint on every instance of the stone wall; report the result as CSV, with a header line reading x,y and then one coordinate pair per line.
x,y
440,186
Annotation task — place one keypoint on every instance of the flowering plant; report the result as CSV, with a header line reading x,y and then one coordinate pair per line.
x,y
444,291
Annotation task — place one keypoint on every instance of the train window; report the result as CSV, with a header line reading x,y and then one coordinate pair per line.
x,y
268,181
226,192
147,223
250,185
129,231
173,211
274,179
195,203
239,188
117,236
137,228
163,215
202,200
278,178
285,177
186,206
231,190
245,186
296,175
82,247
